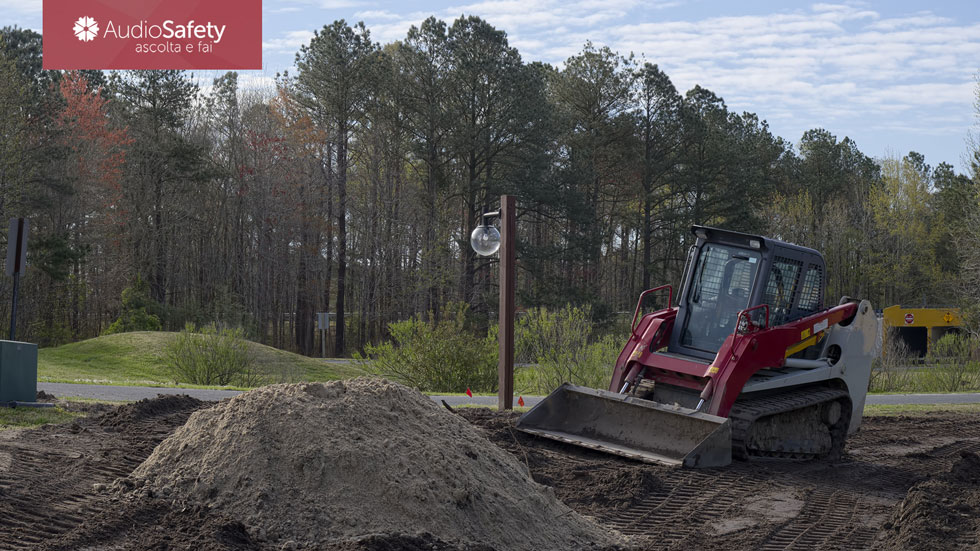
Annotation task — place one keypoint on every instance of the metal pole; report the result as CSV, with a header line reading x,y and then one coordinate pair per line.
x,y
508,279
17,267
13,308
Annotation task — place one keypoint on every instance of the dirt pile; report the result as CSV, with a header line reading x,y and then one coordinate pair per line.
x,y
944,508
315,464
129,414
56,488
594,484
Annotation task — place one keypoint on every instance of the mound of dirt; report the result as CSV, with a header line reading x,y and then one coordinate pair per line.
x,y
318,464
945,508
45,397
595,484
128,414
146,523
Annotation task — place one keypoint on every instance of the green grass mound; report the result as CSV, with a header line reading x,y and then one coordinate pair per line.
x,y
138,358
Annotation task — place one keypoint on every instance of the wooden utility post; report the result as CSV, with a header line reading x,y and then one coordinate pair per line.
x,y
508,280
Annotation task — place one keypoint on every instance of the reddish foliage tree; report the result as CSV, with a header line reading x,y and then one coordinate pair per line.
x,y
98,146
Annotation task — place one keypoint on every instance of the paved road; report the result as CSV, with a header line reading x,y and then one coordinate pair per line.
x,y
132,393
129,393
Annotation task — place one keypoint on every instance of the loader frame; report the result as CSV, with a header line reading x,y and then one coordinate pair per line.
x,y
750,348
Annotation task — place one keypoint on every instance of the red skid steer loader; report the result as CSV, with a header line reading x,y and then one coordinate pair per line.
x,y
749,363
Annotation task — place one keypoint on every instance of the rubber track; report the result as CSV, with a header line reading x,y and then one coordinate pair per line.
x,y
747,411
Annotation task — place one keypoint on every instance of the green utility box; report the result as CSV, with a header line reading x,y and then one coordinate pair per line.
x,y
18,371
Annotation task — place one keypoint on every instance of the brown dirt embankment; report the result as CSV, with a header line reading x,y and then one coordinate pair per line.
x,y
315,463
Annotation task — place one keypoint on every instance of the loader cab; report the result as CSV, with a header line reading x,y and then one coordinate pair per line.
x,y
729,271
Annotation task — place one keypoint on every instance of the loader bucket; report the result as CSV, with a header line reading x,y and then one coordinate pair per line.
x,y
631,427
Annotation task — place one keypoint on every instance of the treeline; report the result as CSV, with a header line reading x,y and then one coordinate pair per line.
x,y
352,187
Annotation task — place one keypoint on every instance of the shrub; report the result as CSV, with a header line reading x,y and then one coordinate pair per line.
x,y
589,364
543,334
210,356
891,371
954,368
437,357
560,345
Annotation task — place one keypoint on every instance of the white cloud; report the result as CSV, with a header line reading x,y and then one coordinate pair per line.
x,y
289,42
339,4
323,4
376,15
923,19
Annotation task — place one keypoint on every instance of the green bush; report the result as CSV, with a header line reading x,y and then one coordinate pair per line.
x,y
560,347
954,368
543,334
137,310
211,356
436,357
588,365
447,357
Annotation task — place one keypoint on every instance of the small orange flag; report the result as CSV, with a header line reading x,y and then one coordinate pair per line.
x,y
469,393
520,401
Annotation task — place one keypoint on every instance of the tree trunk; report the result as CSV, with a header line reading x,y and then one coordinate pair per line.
x,y
338,347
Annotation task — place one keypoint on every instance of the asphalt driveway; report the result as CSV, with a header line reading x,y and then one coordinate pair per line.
x,y
133,393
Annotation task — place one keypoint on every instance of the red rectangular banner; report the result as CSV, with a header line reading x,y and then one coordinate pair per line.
x,y
152,34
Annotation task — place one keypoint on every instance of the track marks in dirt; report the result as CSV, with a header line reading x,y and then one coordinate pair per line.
x,y
687,502
46,487
860,502
829,519
840,505
45,493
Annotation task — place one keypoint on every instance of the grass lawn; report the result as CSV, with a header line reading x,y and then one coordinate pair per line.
x,y
138,358
32,417
919,409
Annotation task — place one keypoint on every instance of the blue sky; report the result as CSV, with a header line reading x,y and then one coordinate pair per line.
x,y
893,76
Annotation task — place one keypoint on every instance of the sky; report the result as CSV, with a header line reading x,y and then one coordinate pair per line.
x,y
894,76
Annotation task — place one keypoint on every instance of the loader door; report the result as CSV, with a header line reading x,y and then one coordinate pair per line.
x,y
720,287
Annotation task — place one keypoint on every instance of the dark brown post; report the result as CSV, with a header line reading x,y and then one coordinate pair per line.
x,y
508,269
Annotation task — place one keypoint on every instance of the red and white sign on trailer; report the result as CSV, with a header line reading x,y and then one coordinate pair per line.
x,y
909,318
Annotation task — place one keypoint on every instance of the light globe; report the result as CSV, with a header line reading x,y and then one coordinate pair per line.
x,y
485,240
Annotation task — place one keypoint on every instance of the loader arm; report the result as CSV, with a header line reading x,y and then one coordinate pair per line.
x,y
742,355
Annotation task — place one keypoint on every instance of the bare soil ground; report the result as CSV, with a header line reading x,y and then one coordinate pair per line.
x,y
907,482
